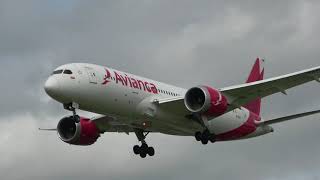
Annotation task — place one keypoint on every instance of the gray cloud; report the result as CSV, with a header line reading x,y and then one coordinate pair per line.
x,y
184,43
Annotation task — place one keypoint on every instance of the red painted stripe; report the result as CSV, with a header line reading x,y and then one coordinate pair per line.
x,y
247,128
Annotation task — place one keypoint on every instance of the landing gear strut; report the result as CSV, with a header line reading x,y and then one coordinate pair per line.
x,y
144,149
73,107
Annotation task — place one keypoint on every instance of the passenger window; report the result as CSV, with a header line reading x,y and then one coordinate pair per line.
x,y
57,72
67,71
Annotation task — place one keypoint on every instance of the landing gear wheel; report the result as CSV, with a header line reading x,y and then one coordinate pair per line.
x,y
198,136
143,150
212,139
144,147
136,150
204,141
151,151
205,137
76,118
143,155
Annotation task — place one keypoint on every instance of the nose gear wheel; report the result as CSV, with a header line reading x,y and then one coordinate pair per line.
x,y
72,107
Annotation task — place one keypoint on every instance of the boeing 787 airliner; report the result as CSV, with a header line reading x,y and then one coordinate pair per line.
x,y
133,104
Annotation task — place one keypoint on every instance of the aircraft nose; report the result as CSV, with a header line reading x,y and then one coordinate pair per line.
x,y
52,87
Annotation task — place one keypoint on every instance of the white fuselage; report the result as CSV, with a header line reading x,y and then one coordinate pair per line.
x,y
131,99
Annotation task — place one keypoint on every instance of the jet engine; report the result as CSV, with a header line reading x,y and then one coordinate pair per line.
x,y
82,133
206,100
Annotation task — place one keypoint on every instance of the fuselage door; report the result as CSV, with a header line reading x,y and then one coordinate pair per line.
x,y
92,75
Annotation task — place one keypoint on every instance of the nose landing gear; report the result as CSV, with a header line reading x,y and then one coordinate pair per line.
x,y
144,149
73,107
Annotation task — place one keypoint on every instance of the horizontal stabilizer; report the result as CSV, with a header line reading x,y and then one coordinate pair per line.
x,y
287,118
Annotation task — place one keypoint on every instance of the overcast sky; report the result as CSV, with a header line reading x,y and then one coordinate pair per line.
x,y
184,43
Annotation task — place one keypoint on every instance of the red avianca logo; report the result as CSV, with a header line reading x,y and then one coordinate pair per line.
x,y
106,77
129,81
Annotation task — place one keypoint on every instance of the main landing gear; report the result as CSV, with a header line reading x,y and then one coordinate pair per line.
x,y
144,149
72,107
206,135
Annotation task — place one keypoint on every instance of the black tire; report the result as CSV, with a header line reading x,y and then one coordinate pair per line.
x,y
144,148
76,118
136,149
151,151
143,155
204,141
198,136
212,139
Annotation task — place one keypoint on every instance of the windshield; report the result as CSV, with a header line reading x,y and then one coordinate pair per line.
x,y
57,72
67,71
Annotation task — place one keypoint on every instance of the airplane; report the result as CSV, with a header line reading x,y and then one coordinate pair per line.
x,y
127,103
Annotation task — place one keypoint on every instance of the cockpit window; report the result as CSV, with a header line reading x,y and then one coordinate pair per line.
x,y
57,72
67,71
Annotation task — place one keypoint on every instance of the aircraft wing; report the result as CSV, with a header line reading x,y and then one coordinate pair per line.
x,y
174,105
241,95
111,124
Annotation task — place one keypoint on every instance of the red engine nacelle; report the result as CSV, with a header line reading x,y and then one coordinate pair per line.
x,y
206,100
83,133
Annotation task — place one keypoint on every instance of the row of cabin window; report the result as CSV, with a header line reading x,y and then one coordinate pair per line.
x,y
167,92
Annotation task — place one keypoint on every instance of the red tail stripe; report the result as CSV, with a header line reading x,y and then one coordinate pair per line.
x,y
255,75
